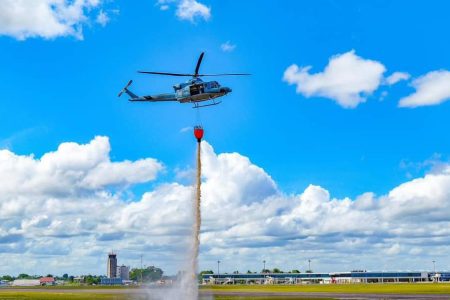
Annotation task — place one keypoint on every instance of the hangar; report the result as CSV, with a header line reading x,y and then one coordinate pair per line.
x,y
324,278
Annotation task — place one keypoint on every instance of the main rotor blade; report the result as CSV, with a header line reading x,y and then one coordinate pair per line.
x,y
164,73
225,74
199,62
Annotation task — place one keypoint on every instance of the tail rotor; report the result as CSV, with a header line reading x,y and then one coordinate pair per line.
x,y
125,88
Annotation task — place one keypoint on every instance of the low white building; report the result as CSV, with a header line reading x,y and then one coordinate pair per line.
x,y
26,282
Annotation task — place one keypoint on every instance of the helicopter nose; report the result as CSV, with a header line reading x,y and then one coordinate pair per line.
x,y
225,90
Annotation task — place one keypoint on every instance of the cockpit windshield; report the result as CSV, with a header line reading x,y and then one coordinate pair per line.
x,y
213,84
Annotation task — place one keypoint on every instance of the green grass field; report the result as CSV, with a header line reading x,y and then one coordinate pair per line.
x,y
92,296
391,288
402,288
31,295
219,292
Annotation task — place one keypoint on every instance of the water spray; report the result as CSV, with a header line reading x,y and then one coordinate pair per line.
x,y
186,286
192,281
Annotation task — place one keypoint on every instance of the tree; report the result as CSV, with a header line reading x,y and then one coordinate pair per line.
x,y
49,275
309,271
236,272
249,272
276,270
206,272
65,276
7,278
90,280
295,271
148,274
265,271
24,276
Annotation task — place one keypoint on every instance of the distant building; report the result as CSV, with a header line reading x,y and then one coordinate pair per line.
x,y
335,277
123,272
111,281
47,281
111,271
26,282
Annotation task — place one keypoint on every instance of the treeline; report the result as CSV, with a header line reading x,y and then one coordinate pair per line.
x,y
87,279
148,274
26,276
275,270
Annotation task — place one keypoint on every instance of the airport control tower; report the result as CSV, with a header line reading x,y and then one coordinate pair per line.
x,y
111,271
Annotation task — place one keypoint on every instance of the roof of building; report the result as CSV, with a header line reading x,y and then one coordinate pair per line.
x,y
26,282
47,279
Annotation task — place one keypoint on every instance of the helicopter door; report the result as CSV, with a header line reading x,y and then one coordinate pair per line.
x,y
196,89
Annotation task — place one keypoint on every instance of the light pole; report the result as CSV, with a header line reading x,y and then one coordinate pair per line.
x,y
218,267
264,266
309,265
141,269
434,267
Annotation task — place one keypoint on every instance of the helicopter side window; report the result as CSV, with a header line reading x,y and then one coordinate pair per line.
x,y
194,89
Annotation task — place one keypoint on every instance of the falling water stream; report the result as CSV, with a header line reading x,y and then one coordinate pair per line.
x,y
197,221
186,286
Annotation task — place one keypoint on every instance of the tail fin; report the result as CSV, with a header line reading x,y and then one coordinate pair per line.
x,y
127,91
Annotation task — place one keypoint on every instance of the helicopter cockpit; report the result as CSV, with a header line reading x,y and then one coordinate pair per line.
x,y
212,85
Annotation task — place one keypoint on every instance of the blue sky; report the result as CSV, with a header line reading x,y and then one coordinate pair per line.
x,y
62,87
65,89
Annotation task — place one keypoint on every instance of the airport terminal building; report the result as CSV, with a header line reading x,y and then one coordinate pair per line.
x,y
325,278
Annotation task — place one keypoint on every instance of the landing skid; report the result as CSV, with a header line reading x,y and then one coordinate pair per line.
x,y
196,105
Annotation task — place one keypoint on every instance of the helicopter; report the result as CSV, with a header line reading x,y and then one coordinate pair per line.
x,y
194,91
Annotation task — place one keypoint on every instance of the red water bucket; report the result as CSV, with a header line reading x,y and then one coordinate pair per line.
x,y
198,133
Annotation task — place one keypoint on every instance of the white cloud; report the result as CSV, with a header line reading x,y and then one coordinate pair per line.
x,y
70,169
347,79
397,77
102,18
192,9
48,19
227,47
188,10
164,7
62,206
432,88
186,129
393,250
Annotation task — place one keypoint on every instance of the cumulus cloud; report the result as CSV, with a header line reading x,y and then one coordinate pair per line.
x,y
347,79
397,77
245,215
432,88
227,47
189,10
48,19
62,205
70,169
